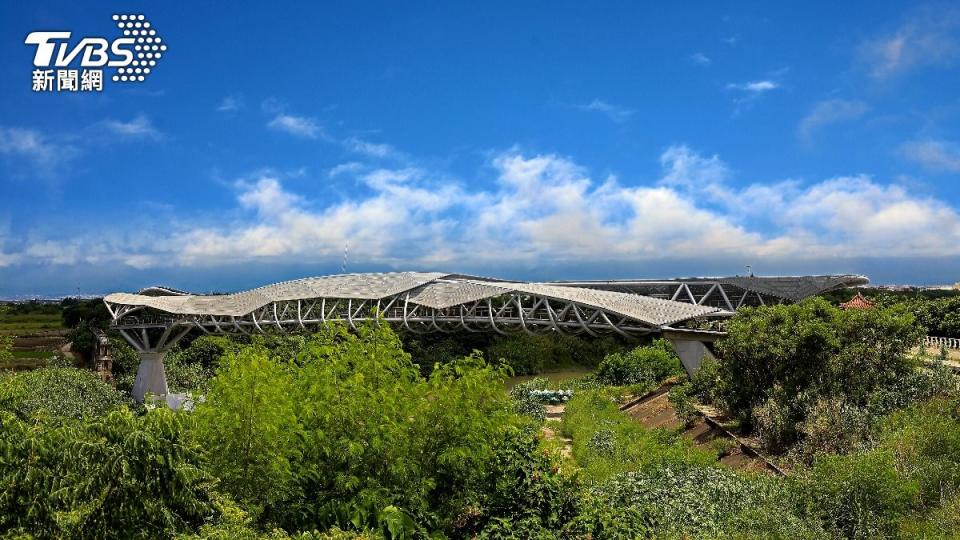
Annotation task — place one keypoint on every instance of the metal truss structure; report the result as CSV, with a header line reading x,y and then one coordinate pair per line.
x,y
156,318
728,293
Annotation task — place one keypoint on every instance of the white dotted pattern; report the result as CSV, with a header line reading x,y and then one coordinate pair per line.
x,y
148,48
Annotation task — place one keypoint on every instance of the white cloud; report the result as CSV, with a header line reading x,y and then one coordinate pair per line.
x,y
928,37
829,112
33,146
754,87
545,209
933,154
614,112
299,126
369,149
139,127
700,59
231,103
350,167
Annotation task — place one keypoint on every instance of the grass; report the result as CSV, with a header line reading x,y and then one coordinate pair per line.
x,y
20,364
42,355
18,325
607,442
554,376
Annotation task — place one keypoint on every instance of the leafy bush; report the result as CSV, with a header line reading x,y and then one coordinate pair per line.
x,y
780,364
814,347
348,428
708,382
858,496
59,392
117,476
681,397
6,346
606,442
642,365
925,442
943,522
524,491
249,419
693,502
833,425
525,401
125,364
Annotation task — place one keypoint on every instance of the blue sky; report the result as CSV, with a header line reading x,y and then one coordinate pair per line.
x,y
535,141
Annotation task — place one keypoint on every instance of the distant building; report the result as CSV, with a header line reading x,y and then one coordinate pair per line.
x,y
857,302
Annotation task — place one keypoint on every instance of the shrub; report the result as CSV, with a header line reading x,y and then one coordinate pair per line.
x,y
696,502
125,364
524,490
117,476
858,496
606,442
350,432
815,348
776,423
833,425
249,420
708,382
681,398
6,348
58,392
943,522
925,442
526,402
642,365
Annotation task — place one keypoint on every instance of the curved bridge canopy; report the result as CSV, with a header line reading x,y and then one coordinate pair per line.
x,y
157,317
421,302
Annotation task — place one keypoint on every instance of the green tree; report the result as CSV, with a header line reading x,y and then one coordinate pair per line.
x,y
6,348
117,476
778,361
59,393
248,421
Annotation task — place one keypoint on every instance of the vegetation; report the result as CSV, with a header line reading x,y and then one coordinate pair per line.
x,y
57,392
786,366
642,366
607,443
524,354
345,435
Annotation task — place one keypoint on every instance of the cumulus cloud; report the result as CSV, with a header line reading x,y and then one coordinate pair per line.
x,y
299,126
231,103
927,37
829,112
613,112
547,209
139,127
33,146
933,154
746,93
700,59
754,87
370,149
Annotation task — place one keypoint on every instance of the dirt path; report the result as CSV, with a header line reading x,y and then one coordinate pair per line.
x,y
655,411
551,429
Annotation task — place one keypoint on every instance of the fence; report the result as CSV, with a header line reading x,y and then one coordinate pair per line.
x,y
939,342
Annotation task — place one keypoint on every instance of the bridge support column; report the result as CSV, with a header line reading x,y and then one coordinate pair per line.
x,y
151,376
692,346
691,353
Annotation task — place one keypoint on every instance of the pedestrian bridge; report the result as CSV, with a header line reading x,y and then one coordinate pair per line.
x,y
156,318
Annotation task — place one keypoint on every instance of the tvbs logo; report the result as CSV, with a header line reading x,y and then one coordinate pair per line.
x,y
133,56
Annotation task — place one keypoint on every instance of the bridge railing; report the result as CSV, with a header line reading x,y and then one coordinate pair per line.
x,y
941,342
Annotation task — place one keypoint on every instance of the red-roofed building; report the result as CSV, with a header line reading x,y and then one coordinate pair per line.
x,y
857,302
